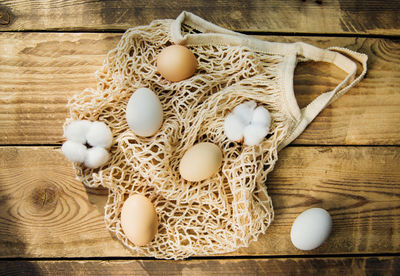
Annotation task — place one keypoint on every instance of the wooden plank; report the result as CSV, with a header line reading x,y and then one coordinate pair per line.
x,y
47,213
293,16
277,266
39,71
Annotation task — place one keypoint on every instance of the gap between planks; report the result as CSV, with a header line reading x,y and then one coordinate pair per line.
x,y
290,145
344,16
254,33
223,257
284,266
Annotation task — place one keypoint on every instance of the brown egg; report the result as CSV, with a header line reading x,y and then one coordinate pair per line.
x,y
176,63
139,220
200,162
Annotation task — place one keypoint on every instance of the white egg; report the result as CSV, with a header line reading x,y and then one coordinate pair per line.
x,y
77,130
75,152
311,228
96,157
99,135
144,112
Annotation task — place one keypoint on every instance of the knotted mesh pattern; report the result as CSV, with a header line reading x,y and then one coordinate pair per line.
x,y
216,215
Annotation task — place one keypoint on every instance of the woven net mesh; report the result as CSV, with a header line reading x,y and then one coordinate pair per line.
x,y
219,214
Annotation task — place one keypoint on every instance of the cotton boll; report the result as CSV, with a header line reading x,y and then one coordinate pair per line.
x,y
250,104
77,130
261,116
99,135
75,152
249,122
244,111
96,157
233,127
254,134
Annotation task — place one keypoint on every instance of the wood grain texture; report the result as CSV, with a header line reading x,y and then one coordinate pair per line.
x,y
44,209
278,266
39,71
338,16
38,74
47,213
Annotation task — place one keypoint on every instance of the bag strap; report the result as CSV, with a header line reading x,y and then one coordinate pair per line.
x,y
199,24
212,34
335,56
331,55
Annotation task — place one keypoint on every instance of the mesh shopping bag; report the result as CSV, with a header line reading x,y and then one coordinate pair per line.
x,y
232,208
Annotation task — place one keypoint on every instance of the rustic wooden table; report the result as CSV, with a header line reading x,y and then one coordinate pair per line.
x,y
347,161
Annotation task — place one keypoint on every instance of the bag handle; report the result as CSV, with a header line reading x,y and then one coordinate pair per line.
x,y
331,55
198,23
212,34
335,56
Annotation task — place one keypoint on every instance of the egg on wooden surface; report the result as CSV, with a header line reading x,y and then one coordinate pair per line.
x,y
144,112
311,228
139,220
176,63
200,162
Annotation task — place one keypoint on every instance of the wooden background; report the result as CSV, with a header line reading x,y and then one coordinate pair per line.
x,y
347,161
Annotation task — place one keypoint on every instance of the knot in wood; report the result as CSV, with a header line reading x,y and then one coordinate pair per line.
x,y
43,198
5,16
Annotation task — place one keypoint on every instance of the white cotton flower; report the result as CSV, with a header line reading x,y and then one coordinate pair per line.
x,y
99,135
96,134
75,152
244,111
77,130
234,127
261,116
254,134
248,123
96,157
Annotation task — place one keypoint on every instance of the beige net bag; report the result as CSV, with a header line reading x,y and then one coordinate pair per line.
x,y
232,208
